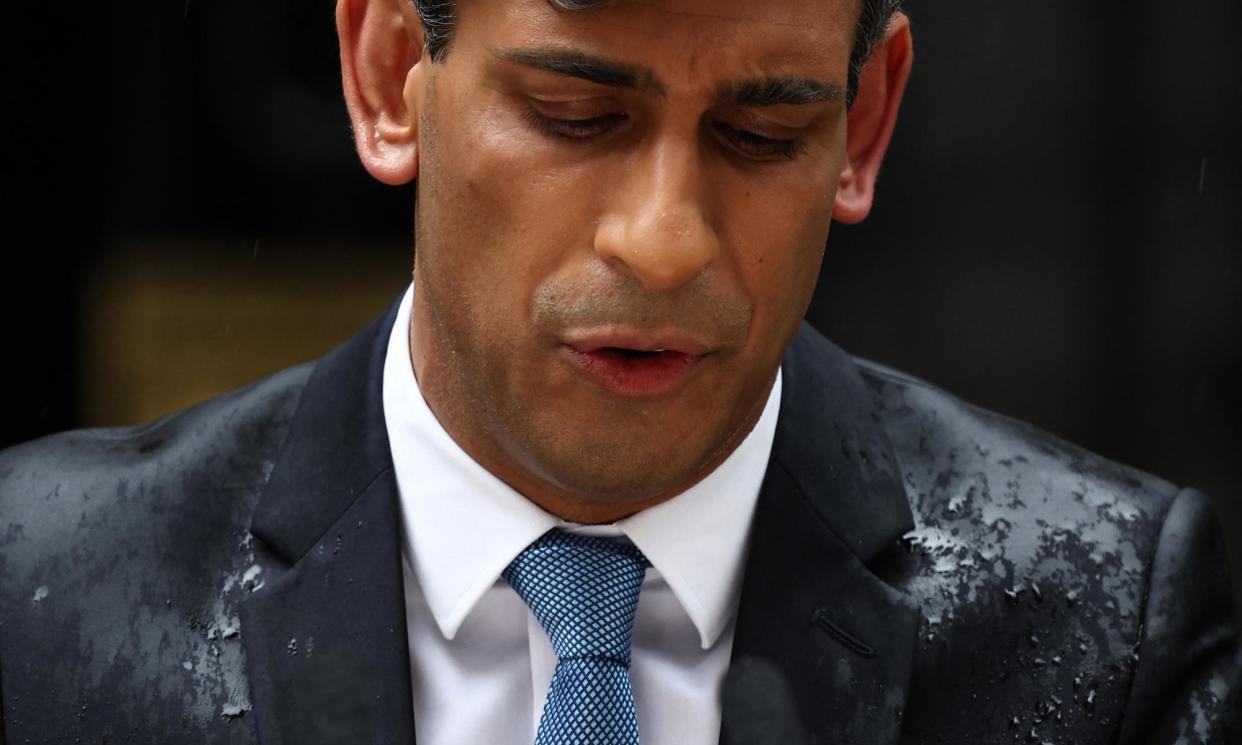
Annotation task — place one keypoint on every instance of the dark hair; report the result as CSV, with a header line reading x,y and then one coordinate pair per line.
x,y
438,18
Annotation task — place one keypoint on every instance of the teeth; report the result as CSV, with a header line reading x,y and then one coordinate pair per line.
x,y
659,350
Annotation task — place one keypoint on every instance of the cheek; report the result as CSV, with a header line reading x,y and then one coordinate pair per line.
x,y
500,218
779,236
514,174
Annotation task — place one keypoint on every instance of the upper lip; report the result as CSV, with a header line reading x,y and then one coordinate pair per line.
x,y
637,340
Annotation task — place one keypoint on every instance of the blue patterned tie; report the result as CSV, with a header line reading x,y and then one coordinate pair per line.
x,y
584,591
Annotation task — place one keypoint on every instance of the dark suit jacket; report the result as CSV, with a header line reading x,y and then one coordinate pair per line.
x,y
920,572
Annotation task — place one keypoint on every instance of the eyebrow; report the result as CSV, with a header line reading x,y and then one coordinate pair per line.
x,y
778,91
578,65
771,90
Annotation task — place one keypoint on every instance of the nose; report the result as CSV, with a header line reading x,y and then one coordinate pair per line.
x,y
659,230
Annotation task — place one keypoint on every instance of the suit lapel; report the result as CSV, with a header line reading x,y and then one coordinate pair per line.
x,y
823,646
324,632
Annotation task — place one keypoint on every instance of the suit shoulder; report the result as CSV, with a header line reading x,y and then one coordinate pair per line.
x,y
934,429
124,554
1028,555
219,420
1005,510
59,490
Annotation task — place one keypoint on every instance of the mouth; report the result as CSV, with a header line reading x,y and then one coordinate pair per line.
x,y
634,367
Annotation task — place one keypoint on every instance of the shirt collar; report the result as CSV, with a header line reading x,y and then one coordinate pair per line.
x,y
462,526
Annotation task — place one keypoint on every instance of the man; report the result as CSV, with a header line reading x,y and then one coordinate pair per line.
x,y
589,480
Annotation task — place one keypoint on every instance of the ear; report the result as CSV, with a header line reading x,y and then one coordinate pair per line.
x,y
871,120
383,72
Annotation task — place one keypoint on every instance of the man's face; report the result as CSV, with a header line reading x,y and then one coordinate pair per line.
x,y
595,186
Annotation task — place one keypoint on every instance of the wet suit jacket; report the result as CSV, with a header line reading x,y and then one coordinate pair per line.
x,y
920,571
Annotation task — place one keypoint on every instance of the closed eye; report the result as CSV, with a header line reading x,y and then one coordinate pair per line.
x,y
757,146
572,129
746,143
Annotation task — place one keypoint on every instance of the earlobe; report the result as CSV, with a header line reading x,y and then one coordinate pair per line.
x,y
871,120
382,73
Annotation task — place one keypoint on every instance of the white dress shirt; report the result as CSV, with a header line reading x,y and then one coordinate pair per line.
x,y
480,663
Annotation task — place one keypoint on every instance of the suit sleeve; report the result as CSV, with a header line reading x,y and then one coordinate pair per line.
x,y
1187,685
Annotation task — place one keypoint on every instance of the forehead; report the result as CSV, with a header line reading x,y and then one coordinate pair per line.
x,y
687,41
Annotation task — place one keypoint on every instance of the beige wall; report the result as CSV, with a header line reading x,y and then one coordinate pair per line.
x,y
164,329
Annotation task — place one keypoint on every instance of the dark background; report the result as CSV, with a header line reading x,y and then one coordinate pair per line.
x,y
1057,234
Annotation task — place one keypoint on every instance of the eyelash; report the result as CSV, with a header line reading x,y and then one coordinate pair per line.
x,y
749,143
571,129
789,149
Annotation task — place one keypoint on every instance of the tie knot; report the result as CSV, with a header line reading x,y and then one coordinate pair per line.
x,y
583,590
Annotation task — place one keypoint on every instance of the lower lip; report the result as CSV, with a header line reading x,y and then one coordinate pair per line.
x,y
636,376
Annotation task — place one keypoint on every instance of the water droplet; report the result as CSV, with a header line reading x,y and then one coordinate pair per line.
x,y
250,579
40,593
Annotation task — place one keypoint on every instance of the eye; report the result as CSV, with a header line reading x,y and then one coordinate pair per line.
x,y
755,145
572,129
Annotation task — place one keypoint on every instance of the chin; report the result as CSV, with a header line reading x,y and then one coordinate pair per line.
x,y
614,474
604,450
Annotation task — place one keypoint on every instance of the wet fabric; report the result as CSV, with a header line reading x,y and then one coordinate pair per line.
x,y
920,570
